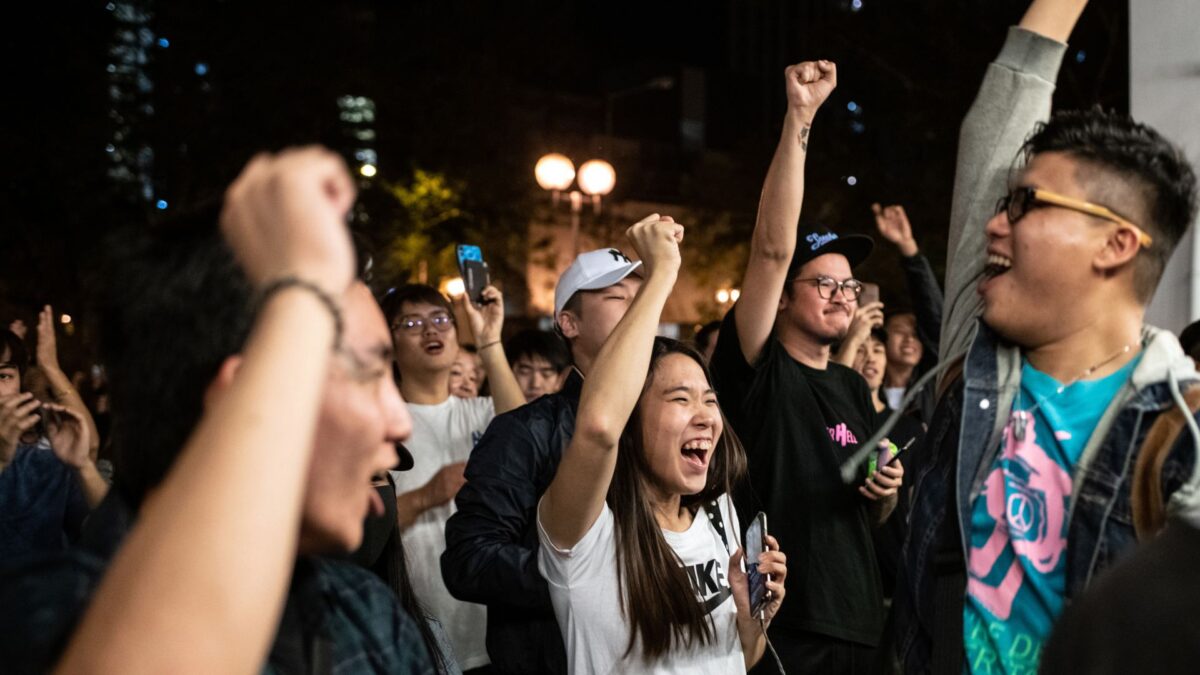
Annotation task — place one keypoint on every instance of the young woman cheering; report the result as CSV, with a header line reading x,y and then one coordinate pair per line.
x,y
636,524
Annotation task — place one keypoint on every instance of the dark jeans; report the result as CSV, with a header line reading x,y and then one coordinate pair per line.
x,y
803,653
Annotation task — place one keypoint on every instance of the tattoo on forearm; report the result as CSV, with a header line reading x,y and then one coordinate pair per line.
x,y
804,139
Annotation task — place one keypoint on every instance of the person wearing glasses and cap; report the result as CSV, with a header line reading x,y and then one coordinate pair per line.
x,y
492,541
1042,441
800,414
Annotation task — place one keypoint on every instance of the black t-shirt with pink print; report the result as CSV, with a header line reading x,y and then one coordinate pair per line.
x,y
798,424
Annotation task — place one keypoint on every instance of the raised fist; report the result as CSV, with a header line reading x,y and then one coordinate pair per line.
x,y
656,241
809,84
285,215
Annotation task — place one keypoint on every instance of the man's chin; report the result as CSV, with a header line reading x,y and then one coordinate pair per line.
x,y
314,542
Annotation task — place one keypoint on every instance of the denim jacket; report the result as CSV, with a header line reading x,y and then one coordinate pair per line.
x,y
965,431
963,441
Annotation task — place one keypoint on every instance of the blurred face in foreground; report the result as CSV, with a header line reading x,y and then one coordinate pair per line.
x,y
362,417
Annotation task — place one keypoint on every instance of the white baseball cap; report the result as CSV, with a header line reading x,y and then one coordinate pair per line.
x,y
591,271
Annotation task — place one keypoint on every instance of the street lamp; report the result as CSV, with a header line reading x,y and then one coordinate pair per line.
x,y
596,178
555,172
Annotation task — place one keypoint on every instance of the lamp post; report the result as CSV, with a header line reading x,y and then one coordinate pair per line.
x,y
555,172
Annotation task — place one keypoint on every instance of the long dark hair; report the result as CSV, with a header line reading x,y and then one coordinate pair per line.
x,y
659,602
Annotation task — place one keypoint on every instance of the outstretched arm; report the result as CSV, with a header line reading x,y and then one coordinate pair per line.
x,y
60,385
575,497
923,290
198,586
487,324
774,240
1014,97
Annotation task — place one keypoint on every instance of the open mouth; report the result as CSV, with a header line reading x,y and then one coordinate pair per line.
x,y
996,265
434,347
696,452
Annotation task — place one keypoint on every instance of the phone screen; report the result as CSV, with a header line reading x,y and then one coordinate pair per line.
x,y
755,544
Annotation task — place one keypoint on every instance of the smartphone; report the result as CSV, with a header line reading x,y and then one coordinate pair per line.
x,y
756,543
887,456
870,293
474,272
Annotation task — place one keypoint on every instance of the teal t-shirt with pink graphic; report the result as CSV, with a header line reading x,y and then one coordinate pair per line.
x,y
1016,563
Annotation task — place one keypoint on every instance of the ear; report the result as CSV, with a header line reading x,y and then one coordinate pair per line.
x,y
568,324
1120,248
225,377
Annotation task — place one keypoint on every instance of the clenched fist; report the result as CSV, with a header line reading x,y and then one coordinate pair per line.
x,y
656,241
285,215
808,85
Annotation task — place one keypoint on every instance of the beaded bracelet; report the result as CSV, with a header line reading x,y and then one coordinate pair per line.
x,y
291,281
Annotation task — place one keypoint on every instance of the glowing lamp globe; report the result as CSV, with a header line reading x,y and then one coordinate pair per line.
x,y
554,172
597,177
455,287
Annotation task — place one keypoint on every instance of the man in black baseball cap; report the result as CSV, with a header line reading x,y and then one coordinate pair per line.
x,y
800,415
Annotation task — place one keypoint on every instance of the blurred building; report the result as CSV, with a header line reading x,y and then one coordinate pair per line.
x,y
130,99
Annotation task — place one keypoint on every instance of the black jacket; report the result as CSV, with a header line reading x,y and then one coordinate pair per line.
x,y
491,541
927,301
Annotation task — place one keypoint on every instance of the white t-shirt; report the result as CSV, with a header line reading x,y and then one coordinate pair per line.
x,y
588,603
443,434
894,396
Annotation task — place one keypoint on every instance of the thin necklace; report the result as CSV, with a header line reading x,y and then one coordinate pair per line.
x,y
1018,419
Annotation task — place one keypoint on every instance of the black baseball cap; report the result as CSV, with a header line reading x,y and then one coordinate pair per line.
x,y
811,243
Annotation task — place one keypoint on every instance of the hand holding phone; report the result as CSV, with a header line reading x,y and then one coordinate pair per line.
x,y
756,544
474,272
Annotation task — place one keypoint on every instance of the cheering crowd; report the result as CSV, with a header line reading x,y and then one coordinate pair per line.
x,y
304,478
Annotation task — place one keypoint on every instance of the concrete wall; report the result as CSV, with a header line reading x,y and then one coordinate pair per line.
x,y
1164,46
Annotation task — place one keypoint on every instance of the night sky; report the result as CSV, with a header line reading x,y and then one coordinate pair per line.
x,y
478,90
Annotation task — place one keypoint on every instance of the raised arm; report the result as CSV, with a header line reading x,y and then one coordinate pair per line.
x,y
60,386
575,497
68,432
774,240
1014,97
923,290
198,585
487,324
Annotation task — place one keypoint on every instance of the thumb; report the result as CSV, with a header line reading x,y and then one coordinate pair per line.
x,y
735,562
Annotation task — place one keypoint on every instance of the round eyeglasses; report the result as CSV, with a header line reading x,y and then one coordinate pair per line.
x,y
827,286
413,323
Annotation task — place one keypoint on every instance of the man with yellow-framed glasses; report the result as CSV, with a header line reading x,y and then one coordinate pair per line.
x,y
1024,495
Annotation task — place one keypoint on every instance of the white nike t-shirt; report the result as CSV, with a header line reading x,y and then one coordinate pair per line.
x,y
443,434
588,602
